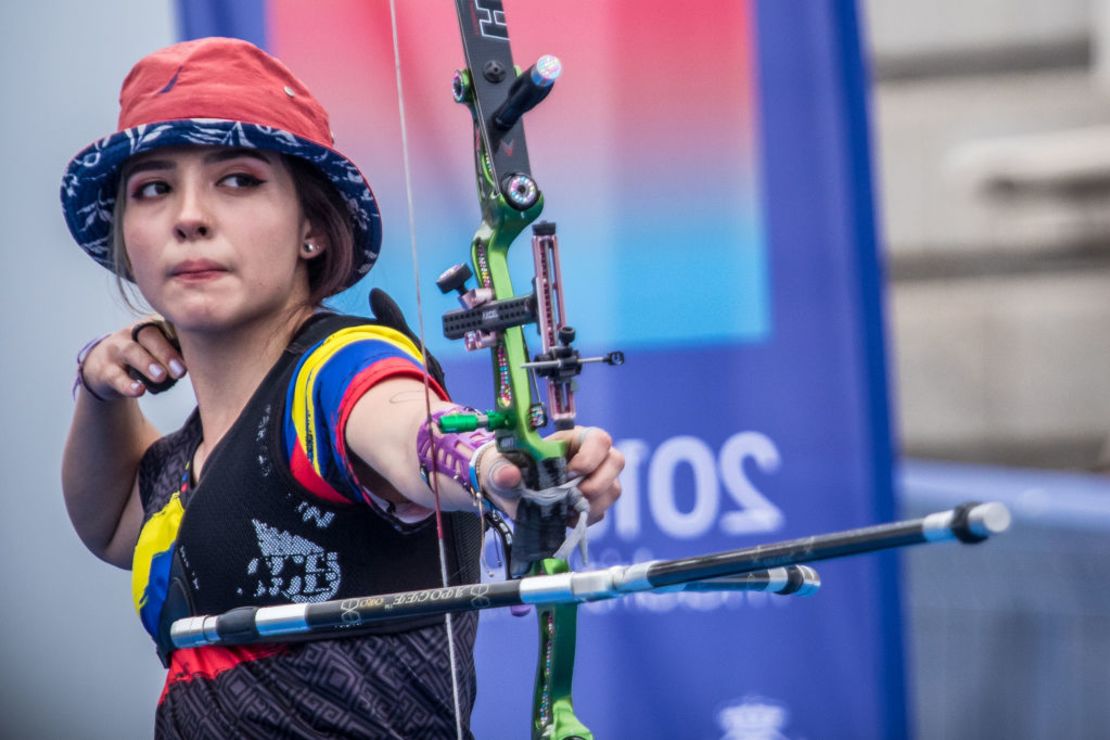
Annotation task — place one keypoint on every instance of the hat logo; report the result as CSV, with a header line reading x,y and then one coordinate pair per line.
x,y
171,83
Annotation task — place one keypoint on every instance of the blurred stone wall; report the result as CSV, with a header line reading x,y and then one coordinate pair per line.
x,y
1010,639
992,135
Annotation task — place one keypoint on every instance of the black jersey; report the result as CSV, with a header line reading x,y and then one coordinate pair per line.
x,y
250,534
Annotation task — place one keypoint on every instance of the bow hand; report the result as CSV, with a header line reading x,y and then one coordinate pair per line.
x,y
592,486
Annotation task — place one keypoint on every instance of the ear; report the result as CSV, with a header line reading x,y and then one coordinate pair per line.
x,y
313,243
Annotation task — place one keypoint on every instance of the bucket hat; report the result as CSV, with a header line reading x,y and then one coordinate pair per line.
x,y
213,92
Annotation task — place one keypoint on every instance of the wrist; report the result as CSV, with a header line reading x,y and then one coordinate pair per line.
x,y
481,491
454,455
79,377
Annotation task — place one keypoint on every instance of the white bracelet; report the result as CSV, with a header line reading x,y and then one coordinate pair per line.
x,y
475,483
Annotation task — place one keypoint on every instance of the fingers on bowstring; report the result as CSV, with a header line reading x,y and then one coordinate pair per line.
x,y
154,355
116,377
105,369
157,338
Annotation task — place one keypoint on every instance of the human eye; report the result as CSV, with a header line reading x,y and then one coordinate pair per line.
x,y
241,180
149,189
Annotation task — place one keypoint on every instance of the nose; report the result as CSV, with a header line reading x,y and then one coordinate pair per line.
x,y
191,230
193,220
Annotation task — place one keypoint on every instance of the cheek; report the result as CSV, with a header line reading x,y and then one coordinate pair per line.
x,y
143,248
273,237
137,238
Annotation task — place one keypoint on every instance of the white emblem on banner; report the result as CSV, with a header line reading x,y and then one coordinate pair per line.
x,y
753,718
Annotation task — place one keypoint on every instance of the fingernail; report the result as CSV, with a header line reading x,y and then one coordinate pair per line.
x,y
156,370
177,368
136,386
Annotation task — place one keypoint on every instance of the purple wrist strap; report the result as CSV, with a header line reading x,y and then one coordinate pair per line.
x,y
449,453
79,379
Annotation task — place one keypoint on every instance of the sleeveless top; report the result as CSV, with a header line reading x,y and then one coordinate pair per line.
x,y
249,533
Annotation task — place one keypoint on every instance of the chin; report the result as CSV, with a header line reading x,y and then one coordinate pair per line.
x,y
205,315
221,317
220,308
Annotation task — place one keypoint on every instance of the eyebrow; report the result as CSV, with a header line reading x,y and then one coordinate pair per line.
x,y
221,155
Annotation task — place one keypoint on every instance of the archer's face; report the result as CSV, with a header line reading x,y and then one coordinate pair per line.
x,y
214,235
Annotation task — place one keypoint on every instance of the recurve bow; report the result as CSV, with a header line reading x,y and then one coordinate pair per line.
x,y
493,316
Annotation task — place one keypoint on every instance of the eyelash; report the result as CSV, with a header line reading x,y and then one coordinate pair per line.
x,y
137,193
248,181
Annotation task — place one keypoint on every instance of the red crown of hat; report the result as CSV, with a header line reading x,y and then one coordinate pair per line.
x,y
221,78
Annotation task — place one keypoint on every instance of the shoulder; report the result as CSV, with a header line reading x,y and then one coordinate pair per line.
x,y
340,354
328,334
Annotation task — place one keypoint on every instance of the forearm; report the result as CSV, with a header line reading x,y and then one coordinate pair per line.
x,y
99,468
382,432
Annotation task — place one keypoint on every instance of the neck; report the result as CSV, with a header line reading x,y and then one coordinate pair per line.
x,y
227,367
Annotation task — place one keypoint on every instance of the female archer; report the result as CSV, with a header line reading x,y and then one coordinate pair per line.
x,y
304,472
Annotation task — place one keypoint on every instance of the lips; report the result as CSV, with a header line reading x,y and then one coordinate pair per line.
x,y
197,270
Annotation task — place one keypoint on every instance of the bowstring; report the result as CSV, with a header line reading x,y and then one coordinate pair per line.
x,y
448,617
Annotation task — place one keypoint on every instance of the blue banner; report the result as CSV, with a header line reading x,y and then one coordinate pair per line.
x,y
712,178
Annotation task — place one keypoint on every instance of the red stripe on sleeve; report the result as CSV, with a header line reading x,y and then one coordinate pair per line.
x,y
306,475
367,379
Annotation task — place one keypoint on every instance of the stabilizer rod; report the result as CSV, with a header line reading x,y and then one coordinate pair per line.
x,y
969,523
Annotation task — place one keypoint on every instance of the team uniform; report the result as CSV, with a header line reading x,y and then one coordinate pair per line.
x,y
280,516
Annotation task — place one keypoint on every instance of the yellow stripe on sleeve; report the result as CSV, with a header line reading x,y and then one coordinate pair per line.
x,y
304,407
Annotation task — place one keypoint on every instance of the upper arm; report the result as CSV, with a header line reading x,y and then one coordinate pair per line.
x,y
100,465
381,431
345,422
121,546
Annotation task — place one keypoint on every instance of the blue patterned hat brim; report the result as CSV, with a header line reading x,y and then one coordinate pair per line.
x,y
90,181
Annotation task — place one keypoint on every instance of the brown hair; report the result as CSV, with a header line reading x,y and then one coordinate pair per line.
x,y
321,204
121,263
324,208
